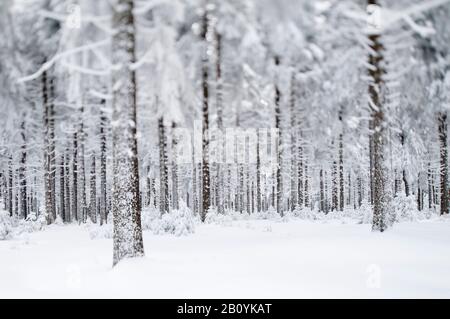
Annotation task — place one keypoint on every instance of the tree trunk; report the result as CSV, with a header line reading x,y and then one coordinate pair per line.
x,y
103,124
47,151
10,187
279,181
82,202
341,171
75,177
294,170
375,94
126,208
68,217
22,173
62,195
258,174
163,169
93,192
175,200
442,124
322,192
206,200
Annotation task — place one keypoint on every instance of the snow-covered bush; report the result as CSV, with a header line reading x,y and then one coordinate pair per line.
x,y
213,217
178,222
6,226
96,231
271,214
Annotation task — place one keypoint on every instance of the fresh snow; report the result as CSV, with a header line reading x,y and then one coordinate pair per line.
x,y
239,259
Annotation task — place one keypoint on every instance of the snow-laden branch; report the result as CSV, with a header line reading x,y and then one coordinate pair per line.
x,y
100,95
47,65
97,21
389,17
86,71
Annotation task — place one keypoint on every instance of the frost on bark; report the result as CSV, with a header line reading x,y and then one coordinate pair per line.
x,y
341,167
103,123
48,168
82,204
22,172
279,185
443,152
93,191
206,200
163,169
67,188
75,177
62,194
126,209
294,161
375,72
175,193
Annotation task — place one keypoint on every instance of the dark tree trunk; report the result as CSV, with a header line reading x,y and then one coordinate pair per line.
x,y
47,151
442,124
126,205
341,171
163,169
10,187
103,192
279,181
93,191
68,217
22,173
322,191
62,195
175,200
75,177
376,105
206,200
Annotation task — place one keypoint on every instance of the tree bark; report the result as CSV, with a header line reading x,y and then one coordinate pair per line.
x,y
376,105
206,200
126,207
442,125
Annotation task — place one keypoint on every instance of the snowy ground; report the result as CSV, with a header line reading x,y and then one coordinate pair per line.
x,y
257,259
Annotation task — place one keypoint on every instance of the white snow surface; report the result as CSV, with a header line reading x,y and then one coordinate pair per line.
x,y
238,259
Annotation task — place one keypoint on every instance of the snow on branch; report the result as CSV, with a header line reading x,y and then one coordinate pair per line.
x,y
47,65
388,17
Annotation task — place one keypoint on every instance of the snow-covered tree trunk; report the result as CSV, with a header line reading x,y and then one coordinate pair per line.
x,y
68,217
47,151
103,124
322,191
341,173
334,181
443,153
62,194
206,198
10,186
52,142
279,182
175,196
376,105
75,177
258,174
82,202
219,107
294,161
23,171
163,169
93,191
126,209
306,196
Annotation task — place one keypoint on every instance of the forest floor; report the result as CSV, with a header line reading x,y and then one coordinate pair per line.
x,y
247,259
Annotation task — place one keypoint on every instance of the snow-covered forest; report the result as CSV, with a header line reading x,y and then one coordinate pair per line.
x,y
256,125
